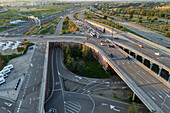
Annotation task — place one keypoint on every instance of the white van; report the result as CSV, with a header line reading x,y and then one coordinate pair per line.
x,y
2,80
9,67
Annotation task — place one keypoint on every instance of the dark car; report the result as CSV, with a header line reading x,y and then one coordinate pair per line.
x,y
128,57
111,55
112,46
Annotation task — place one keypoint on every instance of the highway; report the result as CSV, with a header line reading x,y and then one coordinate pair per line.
x,y
24,28
148,50
143,80
151,35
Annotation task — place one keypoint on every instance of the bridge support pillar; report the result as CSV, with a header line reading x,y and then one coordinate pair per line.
x,y
151,64
136,56
160,69
129,52
133,97
143,59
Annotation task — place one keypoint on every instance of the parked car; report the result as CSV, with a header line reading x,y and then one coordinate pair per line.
x,y
5,71
10,67
4,75
2,80
41,36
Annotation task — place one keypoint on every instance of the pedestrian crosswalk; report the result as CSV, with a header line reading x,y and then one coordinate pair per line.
x,y
72,107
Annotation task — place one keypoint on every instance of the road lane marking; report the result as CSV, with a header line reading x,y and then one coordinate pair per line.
x,y
8,104
160,96
30,101
166,106
33,89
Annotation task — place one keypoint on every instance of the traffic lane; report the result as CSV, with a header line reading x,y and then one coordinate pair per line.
x,y
55,101
163,58
29,95
84,101
6,106
88,87
159,95
112,106
66,73
141,79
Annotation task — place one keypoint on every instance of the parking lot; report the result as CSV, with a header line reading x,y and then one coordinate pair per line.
x,y
21,65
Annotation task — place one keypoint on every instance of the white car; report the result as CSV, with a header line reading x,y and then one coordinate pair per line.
x,y
4,75
2,80
102,44
158,54
5,71
9,67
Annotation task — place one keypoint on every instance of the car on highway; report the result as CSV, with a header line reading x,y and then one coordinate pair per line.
x,y
41,36
2,80
101,40
102,44
74,33
140,46
128,57
111,55
116,38
157,54
10,67
112,46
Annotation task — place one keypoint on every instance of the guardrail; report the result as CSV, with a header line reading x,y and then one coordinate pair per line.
x,y
44,79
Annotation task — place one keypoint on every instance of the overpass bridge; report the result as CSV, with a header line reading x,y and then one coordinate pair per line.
x,y
159,64
153,91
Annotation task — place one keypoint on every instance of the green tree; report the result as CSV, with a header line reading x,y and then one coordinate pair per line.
x,y
139,20
105,17
68,50
133,109
167,34
20,49
130,16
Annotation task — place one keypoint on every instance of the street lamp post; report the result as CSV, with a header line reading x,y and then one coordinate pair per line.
x,y
164,100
